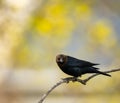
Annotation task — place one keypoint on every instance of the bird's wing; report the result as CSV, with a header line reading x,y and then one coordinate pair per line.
x,y
80,63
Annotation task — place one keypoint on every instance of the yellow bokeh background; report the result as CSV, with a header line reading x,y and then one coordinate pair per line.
x,y
33,32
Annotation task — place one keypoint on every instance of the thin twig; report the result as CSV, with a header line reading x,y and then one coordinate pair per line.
x,y
73,79
115,70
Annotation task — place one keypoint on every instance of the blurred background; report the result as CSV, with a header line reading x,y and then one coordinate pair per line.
x,y
33,32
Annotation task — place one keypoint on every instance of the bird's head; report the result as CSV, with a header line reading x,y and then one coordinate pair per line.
x,y
61,59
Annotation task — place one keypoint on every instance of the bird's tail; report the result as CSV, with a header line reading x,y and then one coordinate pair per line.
x,y
104,73
99,72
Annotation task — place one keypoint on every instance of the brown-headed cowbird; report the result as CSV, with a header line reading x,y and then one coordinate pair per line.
x,y
76,67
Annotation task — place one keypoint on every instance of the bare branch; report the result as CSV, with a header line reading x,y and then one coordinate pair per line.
x,y
56,85
73,79
115,70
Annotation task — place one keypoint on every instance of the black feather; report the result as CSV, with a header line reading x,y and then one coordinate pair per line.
x,y
80,63
76,67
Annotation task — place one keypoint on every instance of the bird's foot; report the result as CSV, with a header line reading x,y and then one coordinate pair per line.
x,y
74,79
68,79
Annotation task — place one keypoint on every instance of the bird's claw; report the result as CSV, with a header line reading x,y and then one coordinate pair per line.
x,y
68,79
74,79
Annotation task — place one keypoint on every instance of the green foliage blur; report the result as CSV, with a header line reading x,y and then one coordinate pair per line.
x,y
33,32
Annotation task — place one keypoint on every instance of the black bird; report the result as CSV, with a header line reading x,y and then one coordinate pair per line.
x,y
75,67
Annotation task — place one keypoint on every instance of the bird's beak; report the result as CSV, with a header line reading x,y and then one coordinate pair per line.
x,y
61,60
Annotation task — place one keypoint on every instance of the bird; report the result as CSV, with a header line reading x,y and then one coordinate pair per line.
x,y
76,67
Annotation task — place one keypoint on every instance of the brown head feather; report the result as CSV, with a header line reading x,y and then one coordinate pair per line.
x,y
61,59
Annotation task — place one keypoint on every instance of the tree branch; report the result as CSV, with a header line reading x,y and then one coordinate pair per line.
x,y
73,79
